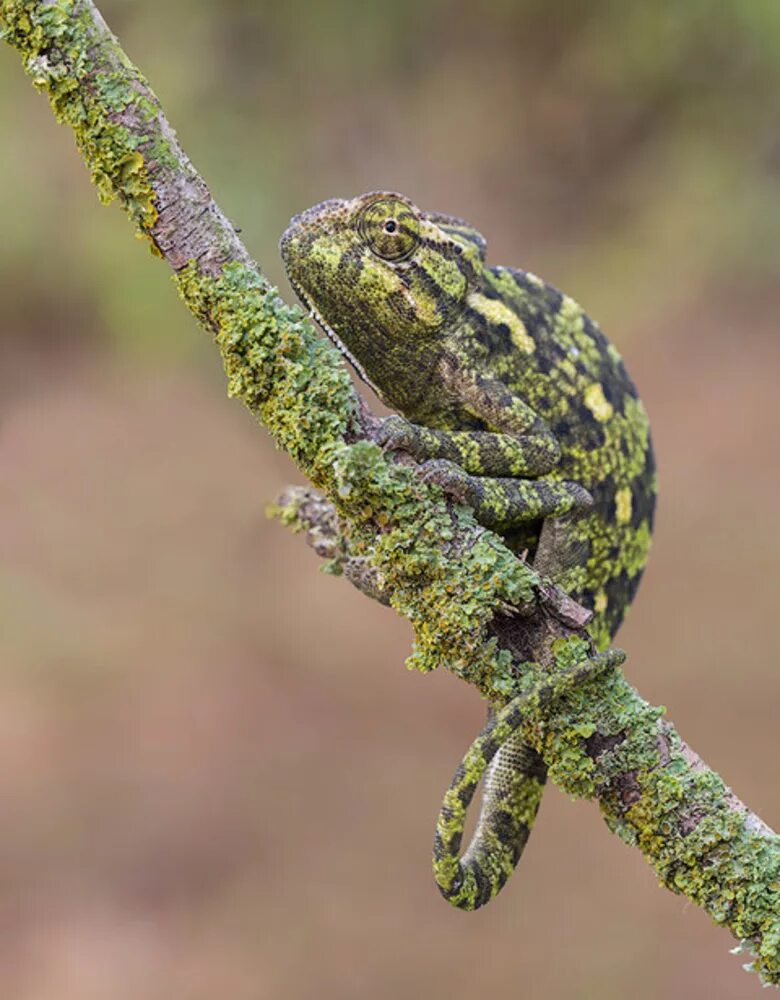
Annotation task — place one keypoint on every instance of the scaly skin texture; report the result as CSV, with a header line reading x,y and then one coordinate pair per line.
x,y
521,408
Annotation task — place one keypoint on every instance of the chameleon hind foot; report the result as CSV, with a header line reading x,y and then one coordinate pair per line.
x,y
511,796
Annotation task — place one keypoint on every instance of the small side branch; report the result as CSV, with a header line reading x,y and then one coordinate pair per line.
x,y
475,607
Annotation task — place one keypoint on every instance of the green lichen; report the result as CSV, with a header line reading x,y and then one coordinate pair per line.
x,y
60,47
678,815
291,380
297,386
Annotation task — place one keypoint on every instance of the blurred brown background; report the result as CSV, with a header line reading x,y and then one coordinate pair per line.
x,y
217,779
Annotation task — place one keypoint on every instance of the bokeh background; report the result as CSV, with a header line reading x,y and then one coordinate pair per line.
x,y
217,778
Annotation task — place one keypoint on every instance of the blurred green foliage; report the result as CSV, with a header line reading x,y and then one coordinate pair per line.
x,y
604,130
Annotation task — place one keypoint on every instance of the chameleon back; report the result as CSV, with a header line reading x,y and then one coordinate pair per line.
x,y
577,382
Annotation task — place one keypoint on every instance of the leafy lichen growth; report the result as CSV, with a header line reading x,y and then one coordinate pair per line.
x,y
59,47
296,385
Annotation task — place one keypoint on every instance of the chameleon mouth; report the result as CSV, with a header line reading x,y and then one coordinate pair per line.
x,y
331,334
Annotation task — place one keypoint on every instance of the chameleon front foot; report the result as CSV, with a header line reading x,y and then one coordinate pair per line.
x,y
479,453
514,782
499,503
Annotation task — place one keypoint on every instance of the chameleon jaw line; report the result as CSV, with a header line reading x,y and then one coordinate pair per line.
x,y
318,319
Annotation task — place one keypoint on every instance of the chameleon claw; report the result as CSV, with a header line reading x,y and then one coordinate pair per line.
x,y
449,476
396,433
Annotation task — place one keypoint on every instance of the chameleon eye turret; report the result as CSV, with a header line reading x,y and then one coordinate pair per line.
x,y
391,228
523,410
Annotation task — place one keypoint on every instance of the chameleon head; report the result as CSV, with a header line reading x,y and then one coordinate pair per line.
x,y
384,280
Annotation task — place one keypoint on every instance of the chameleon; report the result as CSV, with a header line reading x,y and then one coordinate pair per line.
x,y
517,405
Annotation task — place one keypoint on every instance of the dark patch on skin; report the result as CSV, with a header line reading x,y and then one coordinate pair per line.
x,y
498,338
461,229
551,297
591,436
351,263
484,887
482,335
624,377
594,332
547,356
642,503
619,404
583,414
465,794
603,494
544,403
631,589
619,590
438,246
490,291
505,826
535,767
445,304
611,392
537,325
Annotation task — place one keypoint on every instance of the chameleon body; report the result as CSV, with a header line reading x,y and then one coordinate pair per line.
x,y
518,406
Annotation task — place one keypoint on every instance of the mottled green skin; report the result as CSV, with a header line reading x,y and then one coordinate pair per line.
x,y
522,409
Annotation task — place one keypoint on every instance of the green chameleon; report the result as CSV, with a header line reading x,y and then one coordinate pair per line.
x,y
518,406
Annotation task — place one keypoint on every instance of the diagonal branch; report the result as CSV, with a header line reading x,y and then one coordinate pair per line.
x,y
475,607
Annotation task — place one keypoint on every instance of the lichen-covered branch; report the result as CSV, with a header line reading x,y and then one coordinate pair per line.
x,y
476,609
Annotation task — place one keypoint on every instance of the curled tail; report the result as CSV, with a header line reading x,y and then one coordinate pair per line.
x,y
513,785
514,776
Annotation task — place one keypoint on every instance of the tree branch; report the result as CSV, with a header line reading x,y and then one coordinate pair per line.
x,y
474,606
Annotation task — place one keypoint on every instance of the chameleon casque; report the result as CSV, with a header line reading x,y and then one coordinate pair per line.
x,y
518,406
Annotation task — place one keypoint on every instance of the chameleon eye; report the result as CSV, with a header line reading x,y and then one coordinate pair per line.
x,y
391,228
